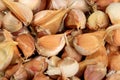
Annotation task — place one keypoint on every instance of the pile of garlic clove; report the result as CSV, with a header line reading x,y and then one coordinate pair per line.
x,y
59,39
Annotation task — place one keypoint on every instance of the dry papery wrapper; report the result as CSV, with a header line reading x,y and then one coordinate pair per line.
x,y
21,11
113,75
112,35
49,19
100,56
75,19
6,50
95,72
113,12
69,51
11,23
36,6
50,45
88,43
3,6
26,43
67,66
114,59
97,20
101,4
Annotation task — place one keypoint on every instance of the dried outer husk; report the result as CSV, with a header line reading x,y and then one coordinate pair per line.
x,y
75,19
94,72
97,20
36,6
49,19
50,45
89,43
6,50
11,23
26,44
100,56
112,35
21,11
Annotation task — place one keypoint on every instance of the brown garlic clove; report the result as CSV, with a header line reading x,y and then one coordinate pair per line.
x,y
26,44
114,58
41,76
3,6
68,66
21,74
11,70
95,72
113,12
35,65
97,20
1,16
112,35
49,19
50,45
6,50
36,6
99,56
21,11
11,23
87,44
79,4
57,4
75,19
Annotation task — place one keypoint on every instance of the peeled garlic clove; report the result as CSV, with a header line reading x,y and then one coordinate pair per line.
x,y
97,20
94,72
75,19
36,5
113,33
50,45
87,44
49,19
11,23
35,65
26,44
6,50
3,6
57,4
21,11
113,12
80,4
68,66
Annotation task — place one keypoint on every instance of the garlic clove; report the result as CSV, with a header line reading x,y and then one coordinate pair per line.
x,y
112,35
75,19
68,66
26,44
21,11
97,20
87,44
35,65
80,4
113,12
94,72
3,6
57,4
74,78
11,23
54,60
113,76
6,50
49,19
50,45
36,6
